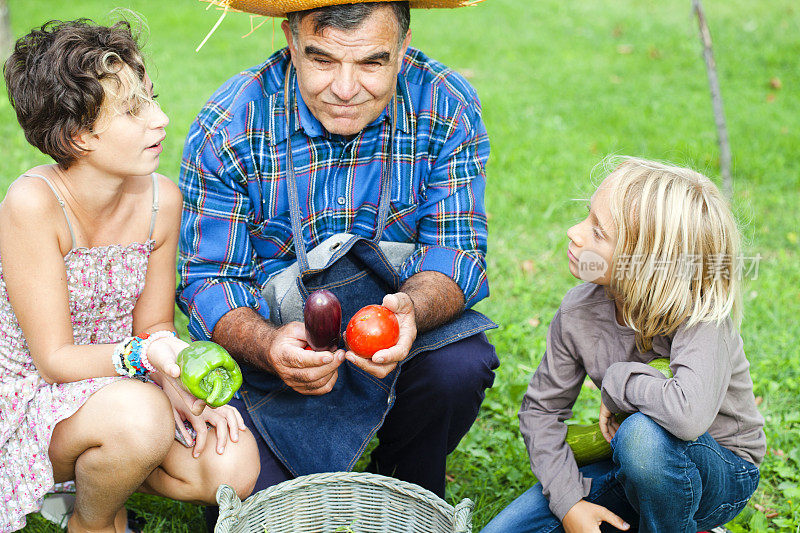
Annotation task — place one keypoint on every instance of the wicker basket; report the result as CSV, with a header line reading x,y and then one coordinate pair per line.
x,y
341,501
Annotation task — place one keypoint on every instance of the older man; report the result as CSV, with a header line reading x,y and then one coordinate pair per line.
x,y
352,162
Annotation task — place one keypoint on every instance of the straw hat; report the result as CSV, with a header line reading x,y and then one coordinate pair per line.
x,y
279,8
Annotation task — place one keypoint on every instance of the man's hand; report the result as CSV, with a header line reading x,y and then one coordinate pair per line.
x,y
586,517
608,423
384,361
306,371
280,351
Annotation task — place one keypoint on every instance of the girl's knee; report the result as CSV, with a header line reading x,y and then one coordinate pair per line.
x,y
238,467
140,418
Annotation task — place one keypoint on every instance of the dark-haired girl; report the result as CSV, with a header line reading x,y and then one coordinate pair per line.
x,y
88,248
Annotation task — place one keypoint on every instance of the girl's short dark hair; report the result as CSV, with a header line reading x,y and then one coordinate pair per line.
x,y
53,79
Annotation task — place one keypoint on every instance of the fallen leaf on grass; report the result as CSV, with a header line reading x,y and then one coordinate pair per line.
x,y
768,511
449,478
771,97
759,399
625,49
654,53
775,83
528,266
534,322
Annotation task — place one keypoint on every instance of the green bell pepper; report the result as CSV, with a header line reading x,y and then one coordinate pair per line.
x,y
209,372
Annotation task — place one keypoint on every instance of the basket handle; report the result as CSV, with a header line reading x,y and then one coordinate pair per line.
x,y
462,517
229,509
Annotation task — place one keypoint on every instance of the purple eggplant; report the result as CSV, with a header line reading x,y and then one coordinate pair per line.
x,y
323,319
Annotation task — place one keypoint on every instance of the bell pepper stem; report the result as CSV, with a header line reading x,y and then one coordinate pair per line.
x,y
217,381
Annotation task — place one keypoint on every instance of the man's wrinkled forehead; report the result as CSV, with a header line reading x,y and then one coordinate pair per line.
x,y
348,18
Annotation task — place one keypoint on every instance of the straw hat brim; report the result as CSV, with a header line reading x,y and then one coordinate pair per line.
x,y
279,8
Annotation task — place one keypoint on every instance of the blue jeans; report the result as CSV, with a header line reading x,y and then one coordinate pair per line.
x,y
655,480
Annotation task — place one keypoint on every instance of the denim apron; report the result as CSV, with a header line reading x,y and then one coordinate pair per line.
x,y
329,433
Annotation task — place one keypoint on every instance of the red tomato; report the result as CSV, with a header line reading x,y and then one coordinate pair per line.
x,y
371,329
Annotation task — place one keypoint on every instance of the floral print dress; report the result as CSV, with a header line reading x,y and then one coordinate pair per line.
x,y
104,284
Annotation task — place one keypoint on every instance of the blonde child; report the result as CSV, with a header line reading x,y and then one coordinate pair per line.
x,y
88,249
659,250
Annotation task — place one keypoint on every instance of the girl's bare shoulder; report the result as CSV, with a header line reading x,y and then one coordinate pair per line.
x,y
170,206
30,199
169,194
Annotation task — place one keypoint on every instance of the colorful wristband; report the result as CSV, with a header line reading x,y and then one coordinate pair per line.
x,y
117,357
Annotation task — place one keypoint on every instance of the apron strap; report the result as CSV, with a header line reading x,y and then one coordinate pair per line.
x,y
291,185
387,168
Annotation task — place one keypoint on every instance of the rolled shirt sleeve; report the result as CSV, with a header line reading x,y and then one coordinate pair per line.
x,y
452,225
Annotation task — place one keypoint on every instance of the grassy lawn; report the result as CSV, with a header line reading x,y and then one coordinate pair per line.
x,y
562,85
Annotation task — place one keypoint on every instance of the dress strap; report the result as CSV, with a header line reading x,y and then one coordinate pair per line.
x,y
61,203
154,212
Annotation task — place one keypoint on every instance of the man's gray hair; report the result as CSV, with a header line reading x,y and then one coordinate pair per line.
x,y
347,17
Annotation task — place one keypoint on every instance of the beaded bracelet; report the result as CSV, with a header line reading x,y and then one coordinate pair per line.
x,y
130,356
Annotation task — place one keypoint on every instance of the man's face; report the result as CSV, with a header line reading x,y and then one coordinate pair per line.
x,y
347,78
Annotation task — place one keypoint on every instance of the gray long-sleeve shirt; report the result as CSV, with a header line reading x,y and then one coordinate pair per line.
x,y
711,389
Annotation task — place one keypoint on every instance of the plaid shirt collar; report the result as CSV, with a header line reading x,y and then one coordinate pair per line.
x,y
312,127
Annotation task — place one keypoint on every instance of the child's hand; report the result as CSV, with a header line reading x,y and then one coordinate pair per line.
x,y
163,355
226,419
587,517
608,423
183,402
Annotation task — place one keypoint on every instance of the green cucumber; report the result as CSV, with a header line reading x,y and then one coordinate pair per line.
x,y
587,441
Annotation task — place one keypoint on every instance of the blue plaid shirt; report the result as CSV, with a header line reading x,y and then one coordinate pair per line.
x,y
236,231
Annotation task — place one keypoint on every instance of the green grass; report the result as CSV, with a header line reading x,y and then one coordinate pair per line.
x,y
562,85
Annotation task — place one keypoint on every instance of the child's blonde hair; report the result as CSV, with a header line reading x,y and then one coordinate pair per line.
x,y
677,257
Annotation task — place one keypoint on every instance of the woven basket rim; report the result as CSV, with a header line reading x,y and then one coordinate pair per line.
x,y
357,478
231,507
